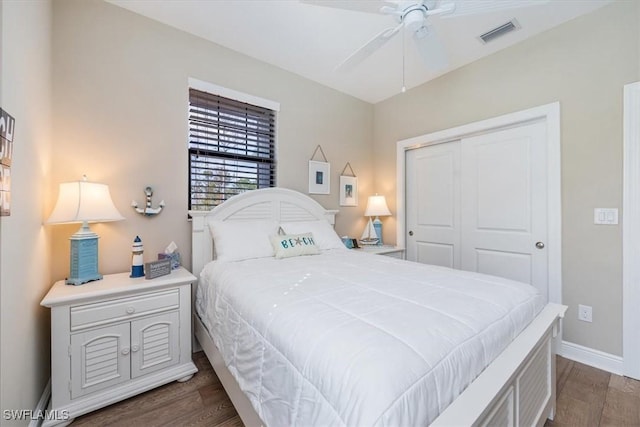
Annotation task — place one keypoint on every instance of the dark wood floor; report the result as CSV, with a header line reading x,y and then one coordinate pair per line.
x,y
201,401
586,397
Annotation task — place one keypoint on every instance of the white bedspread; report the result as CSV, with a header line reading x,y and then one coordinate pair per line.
x,y
347,338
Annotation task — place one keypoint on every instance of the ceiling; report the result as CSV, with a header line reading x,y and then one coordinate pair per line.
x,y
311,40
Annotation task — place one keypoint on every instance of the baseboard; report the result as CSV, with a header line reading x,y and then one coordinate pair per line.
x,y
42,405
589,356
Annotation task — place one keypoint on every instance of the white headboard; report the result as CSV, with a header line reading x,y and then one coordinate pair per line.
x,y
279,204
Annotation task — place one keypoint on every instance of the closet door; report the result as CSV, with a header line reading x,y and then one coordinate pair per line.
x,y
479,204
504,193
433,204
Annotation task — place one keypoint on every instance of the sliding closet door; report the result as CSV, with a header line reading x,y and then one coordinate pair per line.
x,y
433,204
504,194
479,204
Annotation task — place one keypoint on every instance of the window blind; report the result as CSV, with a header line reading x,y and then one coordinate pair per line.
x,y
231,148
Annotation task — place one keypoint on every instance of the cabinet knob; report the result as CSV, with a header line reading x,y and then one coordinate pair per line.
x,y
131,310
125,351
134,348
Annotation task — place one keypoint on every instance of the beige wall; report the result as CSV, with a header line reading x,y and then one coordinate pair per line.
x,y
584,65
25,93
120,103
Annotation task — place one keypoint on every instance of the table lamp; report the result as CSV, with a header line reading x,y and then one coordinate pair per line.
x,y
376,206
83,202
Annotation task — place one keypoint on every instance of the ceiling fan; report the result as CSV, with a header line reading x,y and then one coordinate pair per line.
x,y
413,17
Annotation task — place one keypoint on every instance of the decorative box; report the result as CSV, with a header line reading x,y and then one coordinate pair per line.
x,y
157,268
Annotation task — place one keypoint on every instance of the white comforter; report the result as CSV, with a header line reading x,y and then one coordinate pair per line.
x,y
346,338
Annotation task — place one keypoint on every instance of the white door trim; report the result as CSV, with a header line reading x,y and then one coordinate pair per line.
x,y
550,113
631,231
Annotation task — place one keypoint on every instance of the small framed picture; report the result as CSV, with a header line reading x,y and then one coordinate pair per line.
x,y
319,177
5,190
348,190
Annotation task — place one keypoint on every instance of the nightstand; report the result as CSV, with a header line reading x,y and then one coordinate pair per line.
x,y
387,250
117,337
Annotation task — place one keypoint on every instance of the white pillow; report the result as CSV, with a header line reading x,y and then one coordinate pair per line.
x,y
289,245
324,235
238,240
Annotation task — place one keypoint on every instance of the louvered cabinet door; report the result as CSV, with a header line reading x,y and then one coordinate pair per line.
x,y
99,359
155,343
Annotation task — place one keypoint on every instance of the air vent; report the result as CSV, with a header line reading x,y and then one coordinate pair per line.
x,y
499,31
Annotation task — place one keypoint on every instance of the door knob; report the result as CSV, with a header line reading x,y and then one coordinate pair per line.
x,y
410,233
539,245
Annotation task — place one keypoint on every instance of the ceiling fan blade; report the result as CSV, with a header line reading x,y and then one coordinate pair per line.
x,y
369,6
475,7
371,46
430,48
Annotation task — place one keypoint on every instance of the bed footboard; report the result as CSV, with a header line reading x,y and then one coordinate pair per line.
x,y
519,387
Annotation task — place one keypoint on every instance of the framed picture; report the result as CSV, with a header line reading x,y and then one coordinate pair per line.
x,y
5,190
7,126
348,190
319,177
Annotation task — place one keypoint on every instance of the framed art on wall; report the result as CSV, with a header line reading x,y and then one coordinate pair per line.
x,y
7,126
348,190
319,177
5,190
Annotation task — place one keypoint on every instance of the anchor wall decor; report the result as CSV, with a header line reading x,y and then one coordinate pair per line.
x,y
148,210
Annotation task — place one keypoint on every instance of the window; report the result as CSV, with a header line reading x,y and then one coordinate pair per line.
x,y
231,148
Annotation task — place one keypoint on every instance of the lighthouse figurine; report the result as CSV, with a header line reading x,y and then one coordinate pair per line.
x,y
137,264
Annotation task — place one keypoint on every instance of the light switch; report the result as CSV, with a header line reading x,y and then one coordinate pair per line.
x,y
605,216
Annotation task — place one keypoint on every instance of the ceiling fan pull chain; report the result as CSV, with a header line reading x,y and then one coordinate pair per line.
x,y
404,89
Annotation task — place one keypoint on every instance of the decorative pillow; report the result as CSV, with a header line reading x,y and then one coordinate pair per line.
x,y
323,234
238,240
289,245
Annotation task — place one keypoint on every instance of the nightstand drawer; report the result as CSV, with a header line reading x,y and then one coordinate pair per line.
x,y
96,314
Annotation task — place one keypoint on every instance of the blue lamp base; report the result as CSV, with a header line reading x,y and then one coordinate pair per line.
x,y
377,225
83,266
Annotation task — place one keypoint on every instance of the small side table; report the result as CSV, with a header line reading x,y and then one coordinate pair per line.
x,y
117,337
386,250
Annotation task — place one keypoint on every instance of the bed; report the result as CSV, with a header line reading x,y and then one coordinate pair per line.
x,y
334,338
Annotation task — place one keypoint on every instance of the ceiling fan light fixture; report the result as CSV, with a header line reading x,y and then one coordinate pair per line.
x,y
414,19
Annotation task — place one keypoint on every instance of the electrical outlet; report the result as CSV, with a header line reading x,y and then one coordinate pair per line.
x,y
585,313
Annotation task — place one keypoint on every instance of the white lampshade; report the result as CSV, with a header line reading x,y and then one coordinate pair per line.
x,y
377,206
83,201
